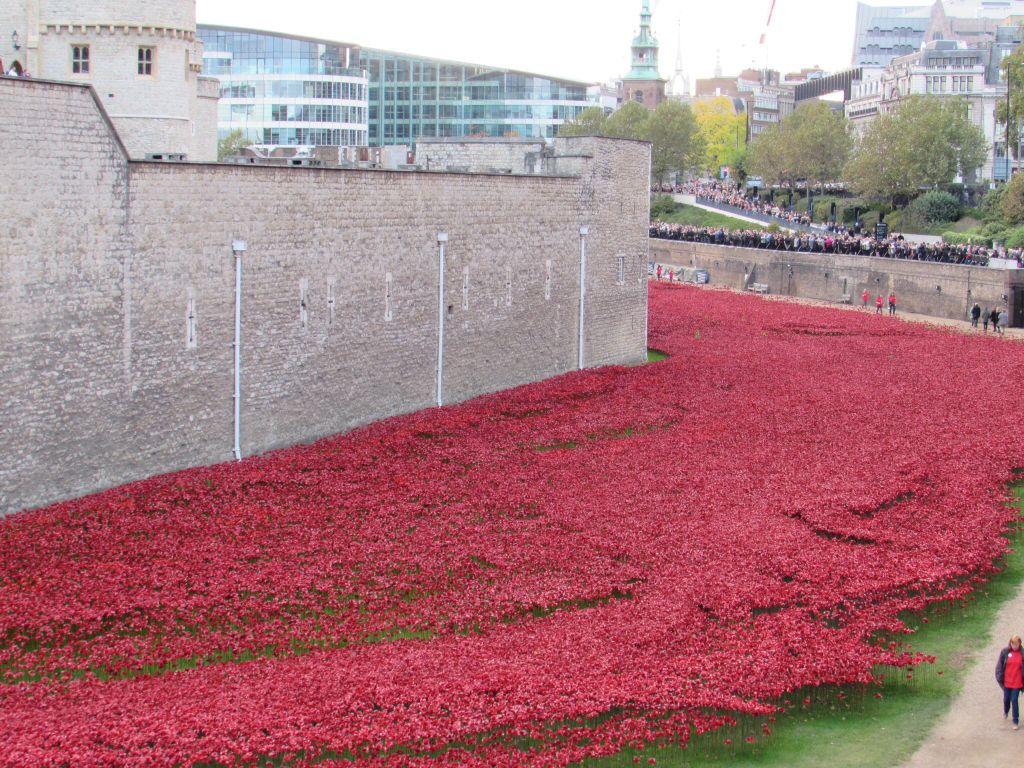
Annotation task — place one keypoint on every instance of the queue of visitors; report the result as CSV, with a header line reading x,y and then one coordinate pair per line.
x,y
844,243
728,194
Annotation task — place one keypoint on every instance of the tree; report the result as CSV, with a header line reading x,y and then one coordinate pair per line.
x,y
812,144
769,158
723,132
232,144
926,142
676,143
819,142
628,122
589,122
1013,70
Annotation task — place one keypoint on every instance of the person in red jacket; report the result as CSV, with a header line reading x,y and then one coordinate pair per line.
x,y
878,305
892,303
866,297
659,273
1010,676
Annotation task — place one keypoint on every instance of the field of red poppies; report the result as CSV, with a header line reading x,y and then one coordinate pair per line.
x,y
610,558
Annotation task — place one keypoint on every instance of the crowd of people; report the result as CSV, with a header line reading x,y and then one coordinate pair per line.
x,y
843,243
728,194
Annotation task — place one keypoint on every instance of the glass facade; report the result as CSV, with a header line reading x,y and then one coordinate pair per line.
x,y
412,96
287,90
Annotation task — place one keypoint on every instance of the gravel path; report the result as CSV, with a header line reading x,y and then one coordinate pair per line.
x,y
973,734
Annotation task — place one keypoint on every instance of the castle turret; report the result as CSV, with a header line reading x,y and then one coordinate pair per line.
x,y
142,59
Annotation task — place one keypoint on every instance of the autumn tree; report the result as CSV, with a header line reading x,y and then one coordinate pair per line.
x,y
723,132
812,144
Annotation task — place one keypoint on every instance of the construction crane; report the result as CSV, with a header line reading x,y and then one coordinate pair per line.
x,y
771,12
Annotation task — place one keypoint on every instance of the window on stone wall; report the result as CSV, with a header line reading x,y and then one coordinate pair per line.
x,y
620,270
80,59
147,56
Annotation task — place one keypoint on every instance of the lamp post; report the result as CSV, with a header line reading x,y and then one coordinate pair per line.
x,y
1009,88
238,247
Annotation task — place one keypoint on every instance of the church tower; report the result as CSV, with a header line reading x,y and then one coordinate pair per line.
x,y
644,83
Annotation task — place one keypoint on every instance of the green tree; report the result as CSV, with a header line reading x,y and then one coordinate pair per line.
x,y
676,143
232,144
590,122
1011,200
769,157
723,132
1013,65
628,122
926,142
812,144
819,142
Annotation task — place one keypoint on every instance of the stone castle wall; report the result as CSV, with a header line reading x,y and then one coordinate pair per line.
x,y
118,294
926,288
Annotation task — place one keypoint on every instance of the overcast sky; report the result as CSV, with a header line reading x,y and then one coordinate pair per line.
x,y
578,39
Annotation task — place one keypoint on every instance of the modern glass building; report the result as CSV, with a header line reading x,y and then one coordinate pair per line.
x,y
412,96
293,90
286,90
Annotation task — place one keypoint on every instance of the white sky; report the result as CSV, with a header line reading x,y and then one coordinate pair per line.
x,y
584,40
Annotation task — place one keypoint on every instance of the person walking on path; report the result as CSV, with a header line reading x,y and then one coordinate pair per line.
x,y
994,318
878,305
975,314
659,273
892,303
1004,320
1010,676
986,317
866,298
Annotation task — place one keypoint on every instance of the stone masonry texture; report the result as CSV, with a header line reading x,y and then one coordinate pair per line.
x,y
117,293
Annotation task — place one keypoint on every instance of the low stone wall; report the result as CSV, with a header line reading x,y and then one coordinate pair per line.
x,y
926,288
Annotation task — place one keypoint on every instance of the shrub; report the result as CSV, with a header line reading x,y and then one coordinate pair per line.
x,y
1013,238
991,204
663,205
934,207
959,238
1011,206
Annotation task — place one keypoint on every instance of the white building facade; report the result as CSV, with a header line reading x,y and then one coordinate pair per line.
x,y
947,69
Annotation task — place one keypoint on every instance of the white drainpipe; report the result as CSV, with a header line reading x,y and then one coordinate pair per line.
x,y
239,247
584,231
442,238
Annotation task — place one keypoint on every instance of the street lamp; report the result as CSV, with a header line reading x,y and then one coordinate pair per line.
x,y
1009,88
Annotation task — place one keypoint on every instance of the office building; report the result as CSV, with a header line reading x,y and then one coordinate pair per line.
x,y
285,89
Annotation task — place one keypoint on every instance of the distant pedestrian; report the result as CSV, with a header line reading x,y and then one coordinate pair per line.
x,y
1004,320
892,303
986,318
865,297
659,273
1010,676
975,314
671,275
994,318
878,304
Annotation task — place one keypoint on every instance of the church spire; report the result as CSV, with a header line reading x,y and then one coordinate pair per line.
x,y
645,49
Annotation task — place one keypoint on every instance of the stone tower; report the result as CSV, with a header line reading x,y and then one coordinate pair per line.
x,y
644,83
142,59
